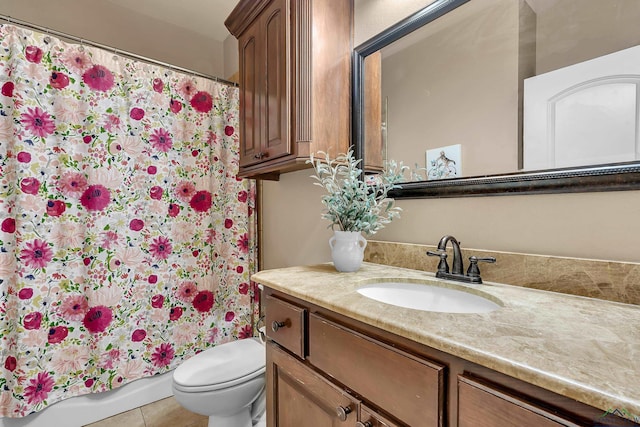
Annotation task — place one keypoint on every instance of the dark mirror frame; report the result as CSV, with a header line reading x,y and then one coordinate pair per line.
x,y
606,177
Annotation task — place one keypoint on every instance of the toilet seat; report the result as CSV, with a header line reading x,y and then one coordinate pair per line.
x,y
220,367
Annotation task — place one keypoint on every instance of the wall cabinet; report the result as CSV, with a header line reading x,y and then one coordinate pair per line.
x,y
295,74
325,369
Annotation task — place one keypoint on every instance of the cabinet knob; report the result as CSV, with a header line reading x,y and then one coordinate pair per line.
x,y
260,155
343,412
364,424
277,325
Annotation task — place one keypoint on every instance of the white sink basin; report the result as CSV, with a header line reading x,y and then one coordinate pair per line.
x,y
428,298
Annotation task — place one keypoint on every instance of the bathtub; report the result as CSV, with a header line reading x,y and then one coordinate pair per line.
x,y
90,408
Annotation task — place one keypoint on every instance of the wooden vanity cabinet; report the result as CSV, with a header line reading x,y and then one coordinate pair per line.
x,y
323,368
295,81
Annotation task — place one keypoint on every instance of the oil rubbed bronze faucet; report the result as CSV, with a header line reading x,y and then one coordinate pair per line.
x,y
473,272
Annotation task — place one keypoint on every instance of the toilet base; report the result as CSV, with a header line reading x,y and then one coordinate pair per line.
x,y
241,419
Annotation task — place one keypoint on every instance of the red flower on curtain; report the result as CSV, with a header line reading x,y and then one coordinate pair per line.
x,y
95,198
202,102
201,201
98,78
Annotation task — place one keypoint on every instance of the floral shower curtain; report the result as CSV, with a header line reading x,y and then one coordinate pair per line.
x,y
125,238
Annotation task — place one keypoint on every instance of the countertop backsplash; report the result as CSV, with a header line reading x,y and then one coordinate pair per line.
x,y
607,280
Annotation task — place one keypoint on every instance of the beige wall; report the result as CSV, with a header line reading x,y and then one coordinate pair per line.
x,y
589,225
112,25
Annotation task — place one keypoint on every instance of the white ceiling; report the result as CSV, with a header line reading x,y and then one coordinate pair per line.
x,y
205,17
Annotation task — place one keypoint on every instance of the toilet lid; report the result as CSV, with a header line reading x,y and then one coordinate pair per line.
x,y
222,365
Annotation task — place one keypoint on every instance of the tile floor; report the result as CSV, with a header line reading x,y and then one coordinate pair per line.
x,y
163,413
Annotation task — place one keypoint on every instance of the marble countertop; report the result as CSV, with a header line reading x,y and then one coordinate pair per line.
x,y
582,348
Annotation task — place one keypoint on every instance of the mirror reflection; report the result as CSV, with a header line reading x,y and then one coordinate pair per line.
x,y
499,86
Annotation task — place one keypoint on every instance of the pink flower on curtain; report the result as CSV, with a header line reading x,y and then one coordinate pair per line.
x,y
201,201
161,140
33,54
203,301
97,319
185,190
76,60
156,192
158,85
187,88
37,122
138,335
175,106
187,291
74,307
39,388
98,78
229,130
8,225
58,80
7,89
57,334
32,320
25,293
243,243
36,254
136,113
72,184
174,210
202,102
24,157
160,248
163,355
136,224
175,313
246,332
95,198
30,185
10,364
55,207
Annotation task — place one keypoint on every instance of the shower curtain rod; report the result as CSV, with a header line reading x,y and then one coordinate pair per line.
x,y
113,49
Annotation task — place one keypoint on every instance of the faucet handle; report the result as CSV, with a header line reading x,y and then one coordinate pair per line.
x,y
473,270
443,266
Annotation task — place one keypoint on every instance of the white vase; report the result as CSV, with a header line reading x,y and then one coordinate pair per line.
x,y
347,250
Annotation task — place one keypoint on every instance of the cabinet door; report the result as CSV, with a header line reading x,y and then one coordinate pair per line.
x,y
480,405
251,95
297,396
277,142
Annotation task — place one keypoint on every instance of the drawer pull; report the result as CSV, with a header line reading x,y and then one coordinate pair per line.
x,y
277,325
343,412
364,424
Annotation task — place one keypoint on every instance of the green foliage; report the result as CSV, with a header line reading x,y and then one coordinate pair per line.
x,y
351,204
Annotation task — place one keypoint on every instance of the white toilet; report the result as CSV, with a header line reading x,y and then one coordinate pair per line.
x,y
225,383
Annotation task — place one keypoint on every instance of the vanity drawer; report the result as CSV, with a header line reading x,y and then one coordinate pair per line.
x,y
482,405
285,324
407,387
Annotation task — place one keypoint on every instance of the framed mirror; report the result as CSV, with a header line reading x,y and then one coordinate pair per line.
x,y
465,94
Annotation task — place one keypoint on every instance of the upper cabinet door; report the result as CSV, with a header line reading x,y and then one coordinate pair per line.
x,y
251,96
277,142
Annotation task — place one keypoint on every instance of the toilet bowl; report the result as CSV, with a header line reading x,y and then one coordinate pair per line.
x,y
225,383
